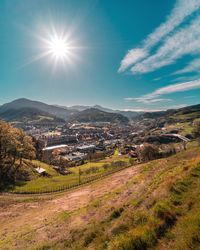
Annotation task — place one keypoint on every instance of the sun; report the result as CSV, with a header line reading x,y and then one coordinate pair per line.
x,y
59,48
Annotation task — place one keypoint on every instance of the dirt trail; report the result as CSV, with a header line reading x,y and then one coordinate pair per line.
x,y
28,217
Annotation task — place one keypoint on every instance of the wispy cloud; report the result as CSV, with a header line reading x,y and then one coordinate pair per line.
x,y
141,60
142,109
186,78
155,96
147,100
183,42
193,66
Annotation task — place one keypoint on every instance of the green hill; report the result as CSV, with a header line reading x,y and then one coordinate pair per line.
x,y
28,115
24,103
96,115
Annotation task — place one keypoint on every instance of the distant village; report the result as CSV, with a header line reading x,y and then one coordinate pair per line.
x,y
66,145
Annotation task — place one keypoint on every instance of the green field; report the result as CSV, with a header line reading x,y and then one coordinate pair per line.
x,y
80,174
184,128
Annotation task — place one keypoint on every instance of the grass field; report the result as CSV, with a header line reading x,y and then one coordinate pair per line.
x,y
185,128
55,181
148,206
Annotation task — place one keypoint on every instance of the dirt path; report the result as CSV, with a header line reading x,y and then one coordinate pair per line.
x,y
23,218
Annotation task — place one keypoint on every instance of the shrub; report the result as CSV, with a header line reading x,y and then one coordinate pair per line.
x,y
148,152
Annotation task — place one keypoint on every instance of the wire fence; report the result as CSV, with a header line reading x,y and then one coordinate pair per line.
x,y
83,180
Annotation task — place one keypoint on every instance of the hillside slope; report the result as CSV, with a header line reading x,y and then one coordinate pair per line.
x,y
28,115
22,103
189,113
96,115
153,205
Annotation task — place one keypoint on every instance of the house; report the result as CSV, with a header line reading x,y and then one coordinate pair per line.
x,y
87,148
41,171
75,157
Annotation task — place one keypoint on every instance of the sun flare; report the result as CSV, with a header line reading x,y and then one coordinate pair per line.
x,y
59,47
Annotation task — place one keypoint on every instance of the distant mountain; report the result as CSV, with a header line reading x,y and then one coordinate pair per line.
x,y
96,115
28,115
26,103
82,107
128,114
104,109
27,108
188,113
78,107
62,112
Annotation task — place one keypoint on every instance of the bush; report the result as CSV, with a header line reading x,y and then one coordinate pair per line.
x,y
148,152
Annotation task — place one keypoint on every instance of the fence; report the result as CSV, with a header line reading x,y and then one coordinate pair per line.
x,y
70,186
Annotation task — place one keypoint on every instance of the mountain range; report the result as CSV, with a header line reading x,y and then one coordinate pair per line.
x,y
27,110
97,115
24,110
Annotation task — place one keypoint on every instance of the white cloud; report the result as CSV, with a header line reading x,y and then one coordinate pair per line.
x,y
173,88
143,109
186,78
147,100
183,42
133,56
193,66
181,11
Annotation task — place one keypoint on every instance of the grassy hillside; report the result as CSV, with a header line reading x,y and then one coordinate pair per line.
x,y
154,205
96,115
55,181
30,115
24,103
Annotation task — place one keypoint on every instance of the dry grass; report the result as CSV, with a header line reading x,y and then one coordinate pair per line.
x,y
147,206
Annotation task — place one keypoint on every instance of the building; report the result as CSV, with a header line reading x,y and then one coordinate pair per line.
x,y
41,171
86,148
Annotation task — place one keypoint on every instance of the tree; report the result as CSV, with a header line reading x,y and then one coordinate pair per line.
x,y
148,152
14,145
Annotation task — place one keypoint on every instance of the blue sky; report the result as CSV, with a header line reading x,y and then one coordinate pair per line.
x,y
137,54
